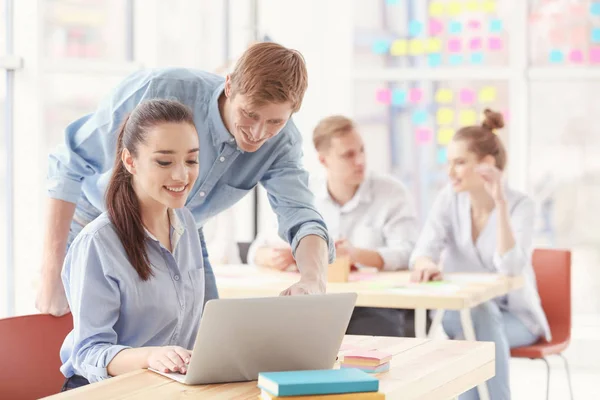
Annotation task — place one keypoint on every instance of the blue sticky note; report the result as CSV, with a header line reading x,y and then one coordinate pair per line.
x,y
399,97
415,28
495,26
595,8
381,46
596,35
455,27
419,117
455,59
556,56
477,58
393,2
442,156
434,60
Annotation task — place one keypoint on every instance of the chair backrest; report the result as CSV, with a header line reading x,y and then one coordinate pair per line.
x,y
553,274
29,355
243,247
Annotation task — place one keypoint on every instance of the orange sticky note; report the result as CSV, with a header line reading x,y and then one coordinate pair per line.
x,y
444,136
445,116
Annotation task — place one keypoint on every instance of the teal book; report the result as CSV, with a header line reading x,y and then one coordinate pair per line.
x,y
312,382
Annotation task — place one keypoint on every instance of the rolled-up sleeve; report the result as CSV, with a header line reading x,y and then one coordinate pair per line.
x,y
90,142
435,233
94,299
286,183
522,218
399,231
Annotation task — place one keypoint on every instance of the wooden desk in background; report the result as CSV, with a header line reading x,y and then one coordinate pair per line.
x,y
459,291
420,369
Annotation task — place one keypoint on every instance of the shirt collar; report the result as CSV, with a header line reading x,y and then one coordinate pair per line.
x,y
362,195
177,229
219,132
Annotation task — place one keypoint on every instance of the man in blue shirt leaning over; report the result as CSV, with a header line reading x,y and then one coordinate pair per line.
x,y
246,137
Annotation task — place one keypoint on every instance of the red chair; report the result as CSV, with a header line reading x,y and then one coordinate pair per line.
x,y
553,274
30,347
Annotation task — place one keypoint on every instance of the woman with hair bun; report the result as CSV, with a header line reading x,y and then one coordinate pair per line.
x,y
481,225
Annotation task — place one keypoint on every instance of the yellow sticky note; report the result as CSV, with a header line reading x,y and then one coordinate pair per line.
x,y
445,116
467,117
444,136
444,96
416,47
455,7
433,45
487,94
489,6
436,8
399,48
473,5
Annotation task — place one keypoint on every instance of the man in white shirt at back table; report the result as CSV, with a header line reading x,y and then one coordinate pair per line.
x,y
371,217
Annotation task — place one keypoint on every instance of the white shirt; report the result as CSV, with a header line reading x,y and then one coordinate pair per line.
x,y
448,231
380,217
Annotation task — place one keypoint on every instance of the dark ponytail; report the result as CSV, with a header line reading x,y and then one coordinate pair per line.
x,y
121,201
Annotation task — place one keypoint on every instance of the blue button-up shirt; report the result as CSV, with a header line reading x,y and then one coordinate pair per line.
x,y
84,162
113,309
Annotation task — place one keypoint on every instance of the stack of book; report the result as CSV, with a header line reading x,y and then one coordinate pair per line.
x,y
327,384
371,361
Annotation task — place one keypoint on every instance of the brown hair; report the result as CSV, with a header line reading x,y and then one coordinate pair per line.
x,y
270,73
121,201
329,128
483,140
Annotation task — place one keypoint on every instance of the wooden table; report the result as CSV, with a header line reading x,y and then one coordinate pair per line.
x,y
460,292
420,369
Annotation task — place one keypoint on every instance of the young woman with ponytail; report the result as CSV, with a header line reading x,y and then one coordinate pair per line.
x,y
481,225
134,276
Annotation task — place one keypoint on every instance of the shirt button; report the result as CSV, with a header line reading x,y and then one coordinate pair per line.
x,y
222,159
176,277
202,194
231,140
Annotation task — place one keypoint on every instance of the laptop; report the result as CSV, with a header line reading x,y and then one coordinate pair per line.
x,y
238,338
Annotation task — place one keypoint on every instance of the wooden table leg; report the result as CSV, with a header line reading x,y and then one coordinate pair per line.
x,y
421,323
469,332
436,323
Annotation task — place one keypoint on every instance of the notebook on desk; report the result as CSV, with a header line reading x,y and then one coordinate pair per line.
x,y
238,338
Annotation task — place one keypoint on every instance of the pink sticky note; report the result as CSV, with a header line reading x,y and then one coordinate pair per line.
x,y
415,95
495,43
506,115
423,135
454,45
595,55
475,44
368,355
384,96
467,96
576,56
435,27
474,24
557,36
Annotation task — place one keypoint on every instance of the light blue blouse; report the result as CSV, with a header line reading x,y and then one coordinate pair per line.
x,y
113,309
447,238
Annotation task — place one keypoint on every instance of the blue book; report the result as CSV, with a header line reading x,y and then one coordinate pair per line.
x,y
326,381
